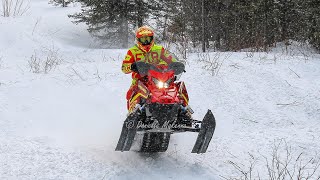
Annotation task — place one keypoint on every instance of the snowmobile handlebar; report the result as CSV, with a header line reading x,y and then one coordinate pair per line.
x,y
143,68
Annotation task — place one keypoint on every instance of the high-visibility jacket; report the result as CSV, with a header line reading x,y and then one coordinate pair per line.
x,y
157,56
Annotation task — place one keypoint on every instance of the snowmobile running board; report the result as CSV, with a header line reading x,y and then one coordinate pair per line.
x,y
129,130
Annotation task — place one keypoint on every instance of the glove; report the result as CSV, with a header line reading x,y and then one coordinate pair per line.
x,y
134,67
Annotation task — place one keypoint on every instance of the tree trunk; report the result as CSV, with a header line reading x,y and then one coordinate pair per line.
x,y
203,28
265,29
139,13
217,25
124,32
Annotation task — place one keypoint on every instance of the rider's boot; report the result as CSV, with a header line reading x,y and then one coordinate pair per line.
x,y
186,115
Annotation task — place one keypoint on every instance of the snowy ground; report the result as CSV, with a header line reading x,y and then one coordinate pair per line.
x,y
65,124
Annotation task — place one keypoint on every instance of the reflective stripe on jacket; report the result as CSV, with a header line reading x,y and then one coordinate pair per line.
x,y
157,56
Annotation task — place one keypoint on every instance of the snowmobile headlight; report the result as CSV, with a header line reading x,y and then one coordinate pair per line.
x,y
160,84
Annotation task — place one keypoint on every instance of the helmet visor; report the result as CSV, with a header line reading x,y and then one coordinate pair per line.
x,y
145,40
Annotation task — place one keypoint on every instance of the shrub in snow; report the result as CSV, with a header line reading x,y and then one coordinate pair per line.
x,y
282,163
213,62
34,63
45,63
14,7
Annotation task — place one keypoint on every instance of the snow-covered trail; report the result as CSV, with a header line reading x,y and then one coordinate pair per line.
x,y
65,124
62,126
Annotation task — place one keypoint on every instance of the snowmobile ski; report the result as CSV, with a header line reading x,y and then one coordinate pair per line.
x,y
128,133
205,134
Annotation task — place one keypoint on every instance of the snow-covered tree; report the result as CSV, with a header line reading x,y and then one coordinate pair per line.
x,y
63,3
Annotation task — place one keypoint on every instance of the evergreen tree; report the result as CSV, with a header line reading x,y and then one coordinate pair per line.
x,y
113,20
226,24
313,22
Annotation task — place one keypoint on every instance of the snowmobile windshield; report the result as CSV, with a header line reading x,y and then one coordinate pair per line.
x,y
143,68
177,67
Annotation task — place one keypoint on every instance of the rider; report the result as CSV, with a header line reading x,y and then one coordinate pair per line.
x,y
147,51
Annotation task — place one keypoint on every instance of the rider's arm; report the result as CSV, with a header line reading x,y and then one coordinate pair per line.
x,y
126,63
166,56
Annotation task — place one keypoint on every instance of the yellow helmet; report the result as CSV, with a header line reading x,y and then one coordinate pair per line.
x,y
145,39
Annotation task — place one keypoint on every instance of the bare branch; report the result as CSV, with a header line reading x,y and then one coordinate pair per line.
x,y
295,73
294,103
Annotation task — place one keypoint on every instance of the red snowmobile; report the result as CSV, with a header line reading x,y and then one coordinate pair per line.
x,y
158,109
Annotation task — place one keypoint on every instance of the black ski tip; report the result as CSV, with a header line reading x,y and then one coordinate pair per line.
x,y
205,135
128,133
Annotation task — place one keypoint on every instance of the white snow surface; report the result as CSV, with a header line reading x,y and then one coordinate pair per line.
x,y
65,124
